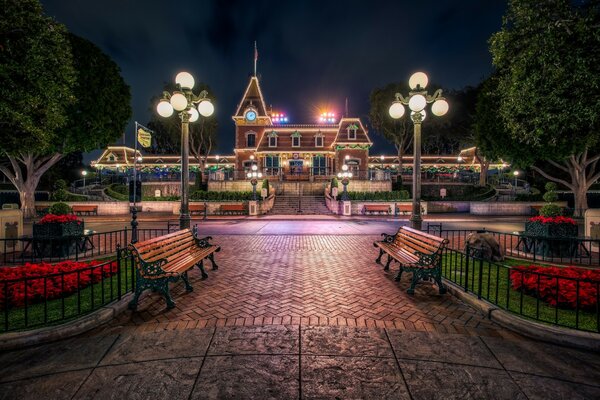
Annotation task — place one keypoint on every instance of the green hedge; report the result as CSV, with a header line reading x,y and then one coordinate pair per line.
x,y
117,192
221,196
378,196
63,195
471,193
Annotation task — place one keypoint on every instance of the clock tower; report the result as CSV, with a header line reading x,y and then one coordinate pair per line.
x,y
251,118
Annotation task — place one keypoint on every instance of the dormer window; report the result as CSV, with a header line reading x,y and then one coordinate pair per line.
x,y
351,130
272,139
319,139
296,139
111,157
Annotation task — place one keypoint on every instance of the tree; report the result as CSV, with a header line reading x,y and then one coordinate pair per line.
x,y
397,131
37,79
167,137
547,57
59,94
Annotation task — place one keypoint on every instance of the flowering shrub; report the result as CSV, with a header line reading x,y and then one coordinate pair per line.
x,y
61,279
556,291
553,220
61,219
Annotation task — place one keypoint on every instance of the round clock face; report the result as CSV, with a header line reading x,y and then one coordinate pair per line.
x,y
250,115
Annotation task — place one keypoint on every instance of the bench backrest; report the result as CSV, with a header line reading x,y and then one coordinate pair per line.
x,y
168,246
377,207
232,206
84,207
414,240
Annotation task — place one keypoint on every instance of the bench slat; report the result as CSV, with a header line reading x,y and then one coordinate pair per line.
x,y
140,246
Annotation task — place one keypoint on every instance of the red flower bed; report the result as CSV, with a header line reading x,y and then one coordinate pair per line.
x,y
61,219
553,220
555,291
56,286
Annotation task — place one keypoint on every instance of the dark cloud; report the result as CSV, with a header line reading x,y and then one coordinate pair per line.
x,y
311,53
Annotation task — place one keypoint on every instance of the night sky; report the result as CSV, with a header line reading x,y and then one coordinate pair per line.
x,y
312,54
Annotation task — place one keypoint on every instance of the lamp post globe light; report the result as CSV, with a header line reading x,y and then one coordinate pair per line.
x,y
345,177
254,176
84,173
417,101
189,108
516,174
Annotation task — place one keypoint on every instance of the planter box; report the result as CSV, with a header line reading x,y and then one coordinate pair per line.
x,y
57,230
551,240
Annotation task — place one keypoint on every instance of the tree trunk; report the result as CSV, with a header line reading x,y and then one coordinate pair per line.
x,y
400,163
485,165
581,203
28,182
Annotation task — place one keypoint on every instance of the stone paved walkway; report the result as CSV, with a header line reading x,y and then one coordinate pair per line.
x,y
289,317
308,280
289,362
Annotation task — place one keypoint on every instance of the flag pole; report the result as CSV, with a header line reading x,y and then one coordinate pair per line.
x,y
255,57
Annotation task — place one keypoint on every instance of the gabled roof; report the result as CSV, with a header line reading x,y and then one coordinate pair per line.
x,y
252,97
362,135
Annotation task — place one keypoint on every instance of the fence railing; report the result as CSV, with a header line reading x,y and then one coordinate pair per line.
x,y
572,302
87,246
33,301
534,248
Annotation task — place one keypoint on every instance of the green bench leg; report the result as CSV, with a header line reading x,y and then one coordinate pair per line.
x,y
437,276
399,276
185,279
387,264
202,271
211,257
378,260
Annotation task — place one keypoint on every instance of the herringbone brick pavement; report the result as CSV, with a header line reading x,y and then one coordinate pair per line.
x,y
305,280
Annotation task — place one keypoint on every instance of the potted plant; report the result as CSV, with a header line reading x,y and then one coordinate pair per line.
x,y
551,233
59,222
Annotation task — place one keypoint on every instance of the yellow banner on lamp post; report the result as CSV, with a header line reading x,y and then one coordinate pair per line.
x,y
144,137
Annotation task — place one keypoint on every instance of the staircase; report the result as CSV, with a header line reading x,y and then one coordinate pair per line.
x,y
299,205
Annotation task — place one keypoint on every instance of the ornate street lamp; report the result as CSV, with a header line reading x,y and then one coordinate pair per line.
x,y
417,100
516,174
84,173
345,177
184,101
254,176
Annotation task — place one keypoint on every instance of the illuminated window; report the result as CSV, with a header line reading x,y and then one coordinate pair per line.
x,y
352,128
296,139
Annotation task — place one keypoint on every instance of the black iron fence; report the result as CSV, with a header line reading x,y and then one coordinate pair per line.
x,y
29,249
534,248
564,299
44,298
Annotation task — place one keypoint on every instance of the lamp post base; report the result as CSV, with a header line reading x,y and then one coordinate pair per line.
x,y
184,221
416,222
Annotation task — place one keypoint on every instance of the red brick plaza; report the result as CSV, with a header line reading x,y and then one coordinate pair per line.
x,y
305,280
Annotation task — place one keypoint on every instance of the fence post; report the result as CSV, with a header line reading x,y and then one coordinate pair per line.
x,y
119,271
467,255
480,276
134,224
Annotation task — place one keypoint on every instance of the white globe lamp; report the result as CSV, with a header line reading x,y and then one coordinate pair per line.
x,y
185,80
417,102
418,80
178,101
396,110
206,108
164,109
440,107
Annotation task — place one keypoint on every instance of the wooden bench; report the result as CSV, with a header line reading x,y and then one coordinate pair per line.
x,y
417,252
199,209
88,209
403,208
378,208
233,208
167,258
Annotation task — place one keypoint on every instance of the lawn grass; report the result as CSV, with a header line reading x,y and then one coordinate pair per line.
x,y
72,306
494,286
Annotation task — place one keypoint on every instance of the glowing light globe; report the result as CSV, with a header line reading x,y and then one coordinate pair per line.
x,y
179,102
206,108
185,80
417,102
440,107
344,167
418,80
164,109
396,110
193,114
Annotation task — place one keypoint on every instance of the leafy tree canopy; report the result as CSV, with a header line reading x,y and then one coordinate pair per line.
x,y
548,60
37,77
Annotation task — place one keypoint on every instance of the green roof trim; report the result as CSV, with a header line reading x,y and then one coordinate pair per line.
x,y
296,134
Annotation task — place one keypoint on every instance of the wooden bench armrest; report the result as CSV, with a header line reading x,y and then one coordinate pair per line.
x,y
387,238
202,242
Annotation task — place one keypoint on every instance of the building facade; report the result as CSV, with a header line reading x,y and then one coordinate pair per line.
x,y
295,152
